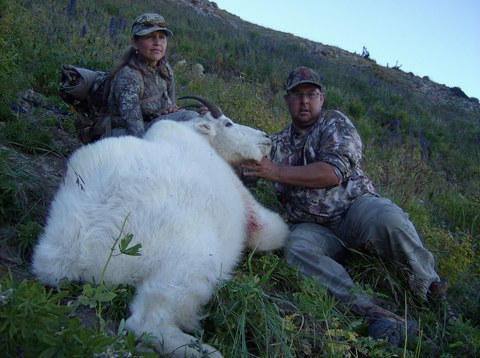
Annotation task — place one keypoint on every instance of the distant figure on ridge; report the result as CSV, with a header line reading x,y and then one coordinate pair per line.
x,y
365,53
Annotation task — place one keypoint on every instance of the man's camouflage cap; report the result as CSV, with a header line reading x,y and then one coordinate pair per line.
x,y
301,75
149,22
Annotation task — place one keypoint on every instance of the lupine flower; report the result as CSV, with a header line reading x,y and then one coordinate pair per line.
x,y
112,28
423,142
84,30
71,7
395,134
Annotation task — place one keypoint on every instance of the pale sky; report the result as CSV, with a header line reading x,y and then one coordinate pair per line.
x,y
435,38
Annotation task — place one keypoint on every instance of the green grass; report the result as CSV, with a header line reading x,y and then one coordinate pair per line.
x,y
420,152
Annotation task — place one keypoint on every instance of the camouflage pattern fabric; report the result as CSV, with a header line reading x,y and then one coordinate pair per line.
x,y
301,75
150,22
333,139
136,98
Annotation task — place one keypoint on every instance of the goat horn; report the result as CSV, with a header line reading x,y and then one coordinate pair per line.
x,y
193,105
213,108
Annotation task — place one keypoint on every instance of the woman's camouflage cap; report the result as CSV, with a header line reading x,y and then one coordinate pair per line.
x,y
301,75
149,22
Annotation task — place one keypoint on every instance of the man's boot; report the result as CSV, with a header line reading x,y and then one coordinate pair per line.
x,y
383,324
437,298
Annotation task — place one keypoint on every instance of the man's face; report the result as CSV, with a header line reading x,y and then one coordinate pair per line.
x,y
304,103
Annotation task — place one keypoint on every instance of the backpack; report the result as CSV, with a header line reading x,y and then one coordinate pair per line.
x,y
87,91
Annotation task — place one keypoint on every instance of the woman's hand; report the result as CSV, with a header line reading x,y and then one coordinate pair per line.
x,y
171,109
202,110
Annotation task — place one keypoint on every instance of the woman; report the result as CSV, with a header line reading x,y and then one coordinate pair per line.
x,y
142,87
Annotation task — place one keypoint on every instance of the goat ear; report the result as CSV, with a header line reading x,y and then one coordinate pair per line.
x,y
205,128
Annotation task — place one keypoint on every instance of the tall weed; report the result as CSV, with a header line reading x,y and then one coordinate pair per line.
x,y
422,154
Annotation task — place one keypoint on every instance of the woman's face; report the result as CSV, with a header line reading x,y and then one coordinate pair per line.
x,y
151,47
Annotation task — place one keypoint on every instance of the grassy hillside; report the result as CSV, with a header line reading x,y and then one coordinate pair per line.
x,y
421,146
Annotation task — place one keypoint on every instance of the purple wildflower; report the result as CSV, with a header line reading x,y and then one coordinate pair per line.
x,y
112,27
423,143
71,7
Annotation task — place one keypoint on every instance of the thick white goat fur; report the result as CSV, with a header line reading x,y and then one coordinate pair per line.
x,y
176,193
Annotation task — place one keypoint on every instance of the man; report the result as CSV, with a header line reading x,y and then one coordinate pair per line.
x,y
332,205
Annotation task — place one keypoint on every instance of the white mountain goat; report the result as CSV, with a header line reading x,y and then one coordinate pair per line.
x,y
176,193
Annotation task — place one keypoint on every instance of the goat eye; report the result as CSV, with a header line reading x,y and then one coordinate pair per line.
x,y
228,124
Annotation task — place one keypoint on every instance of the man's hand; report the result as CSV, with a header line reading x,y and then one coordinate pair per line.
x,y
313,175
265,169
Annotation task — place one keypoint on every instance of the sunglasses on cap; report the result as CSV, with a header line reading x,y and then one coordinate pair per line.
x,y
153,23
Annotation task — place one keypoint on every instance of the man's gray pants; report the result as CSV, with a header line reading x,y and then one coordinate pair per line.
x,y
373,222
